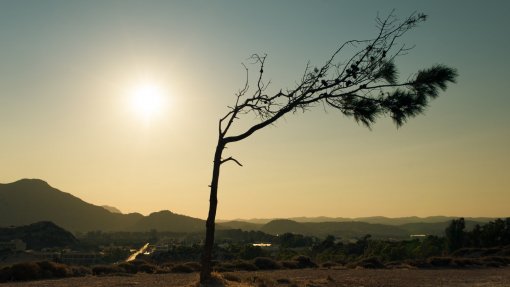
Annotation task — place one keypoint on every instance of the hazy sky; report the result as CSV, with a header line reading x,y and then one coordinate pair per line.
x,y
68,69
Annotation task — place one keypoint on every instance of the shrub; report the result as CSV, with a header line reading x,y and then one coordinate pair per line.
x,y
262,281
440,261
224,267
80,271
182,268
216,280
418,263
245,265
194,265
106,269
25,271
464,262
265,263
304,262
329,264
128,267
148,268
231,277
53,270
5,274
500,259
290,264
368,263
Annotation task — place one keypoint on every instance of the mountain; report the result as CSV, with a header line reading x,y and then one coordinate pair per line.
x,y
372,219
32,200
247,226
351,229
39,235
167,221
111,209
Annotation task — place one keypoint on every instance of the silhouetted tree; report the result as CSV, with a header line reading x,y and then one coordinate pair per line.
x,y
455,235
363,85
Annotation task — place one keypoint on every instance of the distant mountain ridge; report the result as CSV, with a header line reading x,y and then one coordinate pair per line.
x,y
32,200
111,209
371,219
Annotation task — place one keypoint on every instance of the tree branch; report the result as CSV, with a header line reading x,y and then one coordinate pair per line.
x,y
230,159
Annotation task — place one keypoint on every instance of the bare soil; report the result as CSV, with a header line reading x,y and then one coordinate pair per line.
x,y
495,277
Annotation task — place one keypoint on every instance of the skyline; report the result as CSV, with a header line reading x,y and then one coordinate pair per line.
x,y
68,68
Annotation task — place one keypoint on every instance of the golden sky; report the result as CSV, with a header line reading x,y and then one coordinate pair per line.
x,y
68,71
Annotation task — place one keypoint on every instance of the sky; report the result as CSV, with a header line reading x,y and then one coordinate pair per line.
x,y
69,69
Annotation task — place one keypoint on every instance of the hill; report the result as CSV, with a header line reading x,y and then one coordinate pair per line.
x,y
32,200
39,235
111,209
351,229
371,219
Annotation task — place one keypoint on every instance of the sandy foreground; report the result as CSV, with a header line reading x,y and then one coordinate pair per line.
x,y
496,277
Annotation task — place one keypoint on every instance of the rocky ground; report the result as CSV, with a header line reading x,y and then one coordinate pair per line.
x,y
493,277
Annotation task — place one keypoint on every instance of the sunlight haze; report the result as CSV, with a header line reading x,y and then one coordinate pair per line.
x,y
117,103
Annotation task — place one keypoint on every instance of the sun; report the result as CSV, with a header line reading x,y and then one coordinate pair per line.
x,y
147,100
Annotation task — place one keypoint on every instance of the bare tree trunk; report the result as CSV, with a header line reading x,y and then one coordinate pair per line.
x,y
205,273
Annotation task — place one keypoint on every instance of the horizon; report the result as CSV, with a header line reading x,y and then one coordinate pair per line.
x,y
117,102
260,218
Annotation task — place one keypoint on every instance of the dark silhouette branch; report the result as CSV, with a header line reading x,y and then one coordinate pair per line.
x,y
231,159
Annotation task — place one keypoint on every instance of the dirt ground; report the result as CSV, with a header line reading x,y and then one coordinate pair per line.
x,y
497,277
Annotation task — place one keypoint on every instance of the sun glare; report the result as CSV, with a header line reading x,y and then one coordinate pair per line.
x,y
147,101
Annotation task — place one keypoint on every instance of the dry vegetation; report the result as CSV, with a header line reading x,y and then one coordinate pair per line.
x,y
302,277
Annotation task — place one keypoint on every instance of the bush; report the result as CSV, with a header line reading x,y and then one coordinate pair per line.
x,y
148,268
368,263
80,271
262,281
224,267
500,259
231,277
304,262
265,263
329,264
128,267
465,262
53,270
418,263
26,271
182,268
194,265
106,269
245,266
440,261
290,264
5,274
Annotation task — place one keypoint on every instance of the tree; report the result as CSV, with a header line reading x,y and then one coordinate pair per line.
x,y
363,86
455,234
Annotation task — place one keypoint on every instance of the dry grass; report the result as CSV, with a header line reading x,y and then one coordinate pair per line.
x,y
494,277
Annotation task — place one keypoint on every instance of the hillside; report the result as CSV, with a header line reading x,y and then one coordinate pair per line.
x,y
39,235
352,229
32,200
